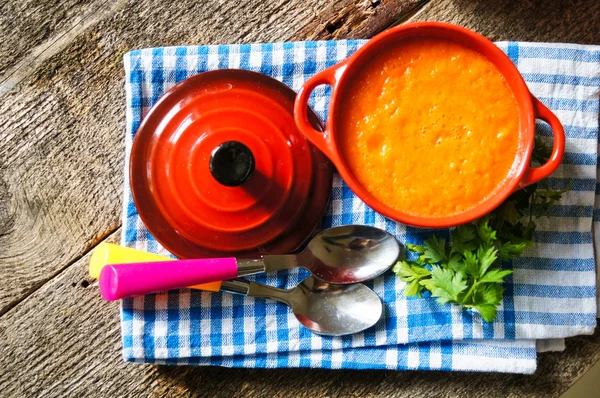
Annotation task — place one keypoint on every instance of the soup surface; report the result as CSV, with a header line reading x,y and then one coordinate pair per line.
x,y
429,127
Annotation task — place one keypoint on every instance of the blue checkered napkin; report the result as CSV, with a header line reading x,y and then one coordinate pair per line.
x,y
551,294
475,355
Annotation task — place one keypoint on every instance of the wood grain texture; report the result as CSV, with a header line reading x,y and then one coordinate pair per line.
x,y
37,55
61,160
64,340
351,19
29,23
571,21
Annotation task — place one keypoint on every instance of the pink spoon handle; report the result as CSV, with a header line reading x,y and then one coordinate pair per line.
x,y
125,280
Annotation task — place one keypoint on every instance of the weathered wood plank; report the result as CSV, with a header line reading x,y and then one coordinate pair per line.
x,y
62,129
28,24
31,59
572,21
560,21
64,340
351,19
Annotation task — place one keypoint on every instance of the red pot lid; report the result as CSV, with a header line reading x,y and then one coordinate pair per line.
x,y
218,168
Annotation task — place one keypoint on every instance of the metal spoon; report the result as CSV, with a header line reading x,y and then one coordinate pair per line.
x,y
332,310
323,308
341,255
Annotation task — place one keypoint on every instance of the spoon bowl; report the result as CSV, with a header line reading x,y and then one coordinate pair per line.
x,y
321,307
336,310
350,254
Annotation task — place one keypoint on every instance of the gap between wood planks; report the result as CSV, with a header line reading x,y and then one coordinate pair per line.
x,y
350,18
41,283
39,54
358,20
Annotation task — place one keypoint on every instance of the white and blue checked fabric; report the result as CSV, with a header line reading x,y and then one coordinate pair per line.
x,y
551,294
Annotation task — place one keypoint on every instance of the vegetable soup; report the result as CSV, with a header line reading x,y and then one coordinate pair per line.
x,y
429,127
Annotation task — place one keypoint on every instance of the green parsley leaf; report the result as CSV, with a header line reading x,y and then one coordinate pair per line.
x,y
456,263
486,256
509,212
471,264
492,294
428,284
510,250
412,273
412,289
485,231
463,233
415,248
409,270
541,151
435,250
463,238
545,199
423,259
403,269
494,276
487,311
449,284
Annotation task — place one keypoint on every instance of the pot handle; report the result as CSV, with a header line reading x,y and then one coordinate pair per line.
x,y
535,174
321,140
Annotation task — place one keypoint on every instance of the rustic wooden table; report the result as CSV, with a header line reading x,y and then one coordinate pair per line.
x,y
62,125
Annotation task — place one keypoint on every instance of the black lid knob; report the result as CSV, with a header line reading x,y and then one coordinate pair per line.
x,y
231,163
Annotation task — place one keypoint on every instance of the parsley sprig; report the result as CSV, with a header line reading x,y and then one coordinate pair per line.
x,y
467,271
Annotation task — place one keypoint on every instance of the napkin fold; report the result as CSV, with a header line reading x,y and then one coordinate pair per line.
x,y
550,295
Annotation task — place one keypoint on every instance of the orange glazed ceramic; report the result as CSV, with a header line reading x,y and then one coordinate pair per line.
x,y
218,168
430,124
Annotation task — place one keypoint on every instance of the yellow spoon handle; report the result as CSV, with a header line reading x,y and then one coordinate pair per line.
x,y
108,253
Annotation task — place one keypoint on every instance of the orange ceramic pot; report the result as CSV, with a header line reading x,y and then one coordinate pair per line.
x,y
530,108
219,169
